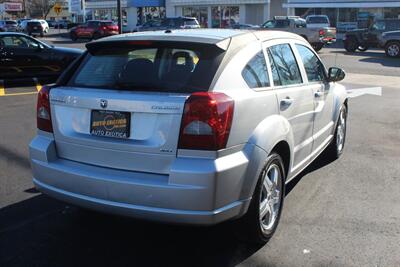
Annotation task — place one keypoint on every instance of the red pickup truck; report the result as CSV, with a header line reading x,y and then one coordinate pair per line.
x,y
94,29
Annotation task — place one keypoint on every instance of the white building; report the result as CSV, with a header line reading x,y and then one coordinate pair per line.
x,y
346,14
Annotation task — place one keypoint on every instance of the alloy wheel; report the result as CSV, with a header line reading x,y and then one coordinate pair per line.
x,y
270,198
341,132
393,50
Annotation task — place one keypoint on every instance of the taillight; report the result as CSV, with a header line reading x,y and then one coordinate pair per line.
x,y
43,115
322,32
206,121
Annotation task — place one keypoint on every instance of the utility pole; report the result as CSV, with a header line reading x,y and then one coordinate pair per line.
x,y
119,15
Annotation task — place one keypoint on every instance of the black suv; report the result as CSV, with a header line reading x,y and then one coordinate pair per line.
x,y
362,39
169,24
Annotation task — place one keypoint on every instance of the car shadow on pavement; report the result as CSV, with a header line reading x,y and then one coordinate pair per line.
x,y
41,231
373,56
321,161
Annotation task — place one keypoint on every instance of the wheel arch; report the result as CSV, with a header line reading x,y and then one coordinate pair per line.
x,y
273,134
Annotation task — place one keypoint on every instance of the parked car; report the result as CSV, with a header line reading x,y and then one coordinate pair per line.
x,y
245,26
45,25
316,37
51,23
8,26
32,27
363,39
63,24
192,131
94,29
23,57
169,24
317,21
390,41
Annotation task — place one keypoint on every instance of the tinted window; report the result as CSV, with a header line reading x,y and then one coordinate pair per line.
x,y
300,24
275,75
17,42
190,22
34,23
10,22
163,67
286,64
255,72
314,68
107,23
317,20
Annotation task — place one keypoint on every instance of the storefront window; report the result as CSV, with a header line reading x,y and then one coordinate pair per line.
x,y
201,13
224,16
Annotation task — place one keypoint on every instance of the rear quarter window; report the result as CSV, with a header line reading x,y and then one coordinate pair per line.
x,y
255,72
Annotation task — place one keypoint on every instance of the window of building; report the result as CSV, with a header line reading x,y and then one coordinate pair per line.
x,y
224,16
286,64
313,66
255,72
201,13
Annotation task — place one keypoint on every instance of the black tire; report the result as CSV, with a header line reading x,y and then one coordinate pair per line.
x,y
96,36
73,36
250,227
392,49
317,46
351,45
41,34
334,149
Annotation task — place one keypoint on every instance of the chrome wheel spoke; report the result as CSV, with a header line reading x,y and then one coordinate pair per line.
x,y
264,209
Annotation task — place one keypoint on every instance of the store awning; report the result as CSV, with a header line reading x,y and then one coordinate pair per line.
x,y
341,4
146,3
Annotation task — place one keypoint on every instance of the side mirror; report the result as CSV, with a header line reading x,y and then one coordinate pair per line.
x,y
336,74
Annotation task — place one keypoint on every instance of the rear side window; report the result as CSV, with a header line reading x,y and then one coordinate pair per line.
x,y
255,72
313,66
164,67
286,64
317,20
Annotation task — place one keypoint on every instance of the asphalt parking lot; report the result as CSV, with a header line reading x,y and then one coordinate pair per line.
x,y
341,213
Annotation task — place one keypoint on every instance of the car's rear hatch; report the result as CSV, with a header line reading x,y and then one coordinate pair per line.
x,y
134,91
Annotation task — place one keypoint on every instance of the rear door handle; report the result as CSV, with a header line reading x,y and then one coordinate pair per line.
x,y
318,94
286,102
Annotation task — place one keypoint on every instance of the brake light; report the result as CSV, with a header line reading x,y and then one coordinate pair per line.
x,y
321,32
43,110
206,121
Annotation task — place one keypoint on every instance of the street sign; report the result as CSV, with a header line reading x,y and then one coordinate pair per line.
x,y
57,8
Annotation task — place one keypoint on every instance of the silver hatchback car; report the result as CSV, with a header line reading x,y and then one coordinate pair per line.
x,y
188,126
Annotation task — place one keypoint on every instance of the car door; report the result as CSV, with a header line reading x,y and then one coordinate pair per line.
x,y
7,70
295,99
26,57
316,79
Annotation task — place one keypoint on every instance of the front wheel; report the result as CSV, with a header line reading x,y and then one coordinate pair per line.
x,y
317,46
96,36
335,149
73,36
351,45
262,217
392,49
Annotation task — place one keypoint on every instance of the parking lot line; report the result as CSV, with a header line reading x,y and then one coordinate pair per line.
x,y
14,94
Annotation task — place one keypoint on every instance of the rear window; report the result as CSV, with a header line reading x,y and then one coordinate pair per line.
x,y
316,20
11,23
108,23
34,23
168,67
190,22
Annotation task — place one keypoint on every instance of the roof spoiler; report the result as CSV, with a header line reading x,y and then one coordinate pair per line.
x,y
92,47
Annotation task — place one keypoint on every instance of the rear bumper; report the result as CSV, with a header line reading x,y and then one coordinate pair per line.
x,y
197,191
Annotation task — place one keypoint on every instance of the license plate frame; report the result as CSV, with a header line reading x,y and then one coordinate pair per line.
x,y
110,123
